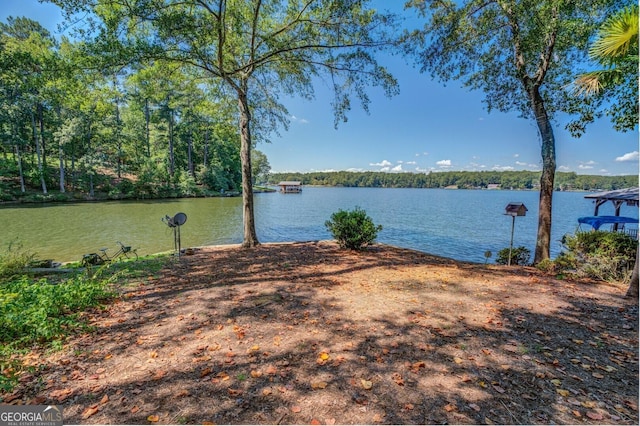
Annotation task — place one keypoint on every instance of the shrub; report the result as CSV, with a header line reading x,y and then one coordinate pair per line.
x,y
352,229
519,256
14,260
608,256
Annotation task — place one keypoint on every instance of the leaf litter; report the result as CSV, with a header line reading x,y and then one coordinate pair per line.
x,y
306,333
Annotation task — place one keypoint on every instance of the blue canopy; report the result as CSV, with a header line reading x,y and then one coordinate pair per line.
x,y
598,221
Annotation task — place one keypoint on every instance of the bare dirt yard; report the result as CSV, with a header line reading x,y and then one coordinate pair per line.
x,y
307,333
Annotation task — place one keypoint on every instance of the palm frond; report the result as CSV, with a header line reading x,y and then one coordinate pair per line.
x,y
617,36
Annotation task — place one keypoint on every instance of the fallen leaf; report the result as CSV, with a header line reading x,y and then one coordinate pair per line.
x,y
318,385
366,384
588,404
153,418
206,422
104,399
271,370
556,382
597,375
255,374
266,391
576,413
450,407
408,406
563,392
205,372
594,415
315,422
499,389
182,393
331,421
90,411
457,360
159,375
296,409
134,409
398,379
234,392
474,407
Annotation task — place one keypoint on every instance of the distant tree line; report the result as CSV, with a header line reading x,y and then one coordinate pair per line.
x,y
565,181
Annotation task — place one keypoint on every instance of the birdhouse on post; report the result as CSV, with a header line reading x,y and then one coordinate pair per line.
x,y
515,209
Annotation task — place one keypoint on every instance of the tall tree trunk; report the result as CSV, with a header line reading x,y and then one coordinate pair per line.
x,y
61,160
206,148
19,161
42,140
118,139
172,164
190,154
543,240
147,119
92,193
632,291
38,152
250,238
61,157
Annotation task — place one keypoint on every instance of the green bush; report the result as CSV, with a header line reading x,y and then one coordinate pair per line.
x,y
352,229
519,256
604,255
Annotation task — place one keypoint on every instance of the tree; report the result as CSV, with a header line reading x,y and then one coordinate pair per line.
x,y
616,50
256,49
521,54
260,165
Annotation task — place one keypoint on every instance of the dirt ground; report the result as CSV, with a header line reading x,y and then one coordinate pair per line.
x,y
307,333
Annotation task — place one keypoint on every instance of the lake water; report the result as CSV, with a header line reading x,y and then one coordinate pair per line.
x,y
461,224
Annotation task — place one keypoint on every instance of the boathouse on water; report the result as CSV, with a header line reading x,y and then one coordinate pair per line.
x,y
290,187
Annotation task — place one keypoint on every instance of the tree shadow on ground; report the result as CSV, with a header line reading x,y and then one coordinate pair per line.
x,y
307,333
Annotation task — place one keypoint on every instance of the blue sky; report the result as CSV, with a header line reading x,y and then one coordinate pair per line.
x,y
428,127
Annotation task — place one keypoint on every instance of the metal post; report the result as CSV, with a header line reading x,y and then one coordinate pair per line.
x,y
513,223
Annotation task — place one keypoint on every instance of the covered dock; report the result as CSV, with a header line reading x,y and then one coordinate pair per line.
x,y
619,197
290,187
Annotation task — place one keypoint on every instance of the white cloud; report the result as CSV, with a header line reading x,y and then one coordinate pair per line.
x,y
399,161
384,163
444,163
520,163
629,156
397,168
590,162
516,155
299,120
564,168
502,168
604,171
411,162
584,167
